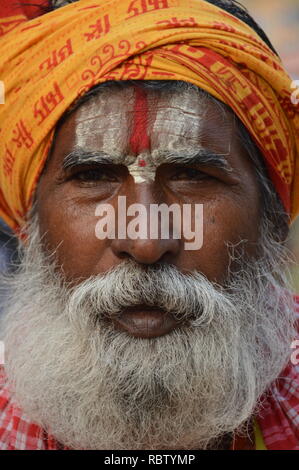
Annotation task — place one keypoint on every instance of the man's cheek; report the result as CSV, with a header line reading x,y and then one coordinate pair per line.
x,y
72,234
224,226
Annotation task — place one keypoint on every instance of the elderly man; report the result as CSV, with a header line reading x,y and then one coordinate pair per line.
x,y
137,342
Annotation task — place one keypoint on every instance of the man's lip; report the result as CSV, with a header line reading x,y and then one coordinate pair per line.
x,y
143,321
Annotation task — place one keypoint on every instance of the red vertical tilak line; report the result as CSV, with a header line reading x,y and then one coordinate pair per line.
x,y
139,140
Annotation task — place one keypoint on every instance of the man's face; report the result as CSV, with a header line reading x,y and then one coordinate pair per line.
x,y
137,129
124,343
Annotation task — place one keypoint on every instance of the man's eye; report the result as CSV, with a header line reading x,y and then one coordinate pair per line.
x,y
94,175
189,174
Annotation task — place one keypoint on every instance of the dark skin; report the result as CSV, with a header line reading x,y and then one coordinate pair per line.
x,y
67,198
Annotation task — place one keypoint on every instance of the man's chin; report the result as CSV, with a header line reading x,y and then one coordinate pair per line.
x,y
129,393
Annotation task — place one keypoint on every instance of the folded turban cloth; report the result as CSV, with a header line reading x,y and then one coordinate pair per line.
x,y
48,61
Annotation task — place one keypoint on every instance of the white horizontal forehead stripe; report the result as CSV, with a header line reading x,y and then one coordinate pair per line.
x,y
175,121
180,123
111,132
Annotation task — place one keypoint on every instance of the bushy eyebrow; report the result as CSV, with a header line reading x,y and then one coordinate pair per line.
x,y
200,156
80,156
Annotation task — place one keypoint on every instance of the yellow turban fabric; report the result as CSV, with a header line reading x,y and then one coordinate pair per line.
x,y
49,61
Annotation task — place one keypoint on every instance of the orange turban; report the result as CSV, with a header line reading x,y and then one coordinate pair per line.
x,y
50,60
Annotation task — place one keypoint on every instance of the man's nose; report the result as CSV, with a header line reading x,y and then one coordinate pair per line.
x,y
152,248
146,251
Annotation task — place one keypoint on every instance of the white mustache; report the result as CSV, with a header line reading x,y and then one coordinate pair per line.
x,y
186,296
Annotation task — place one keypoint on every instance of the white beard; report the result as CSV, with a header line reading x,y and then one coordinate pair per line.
x,y
94,387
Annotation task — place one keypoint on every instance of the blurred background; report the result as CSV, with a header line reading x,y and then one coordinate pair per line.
x,y
280,21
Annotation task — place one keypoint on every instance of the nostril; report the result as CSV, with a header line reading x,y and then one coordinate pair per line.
x,y
146,251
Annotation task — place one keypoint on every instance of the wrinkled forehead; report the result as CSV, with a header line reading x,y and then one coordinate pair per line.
x,y
131,120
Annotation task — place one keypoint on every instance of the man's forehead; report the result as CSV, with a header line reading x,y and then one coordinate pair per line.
x,y
131,120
